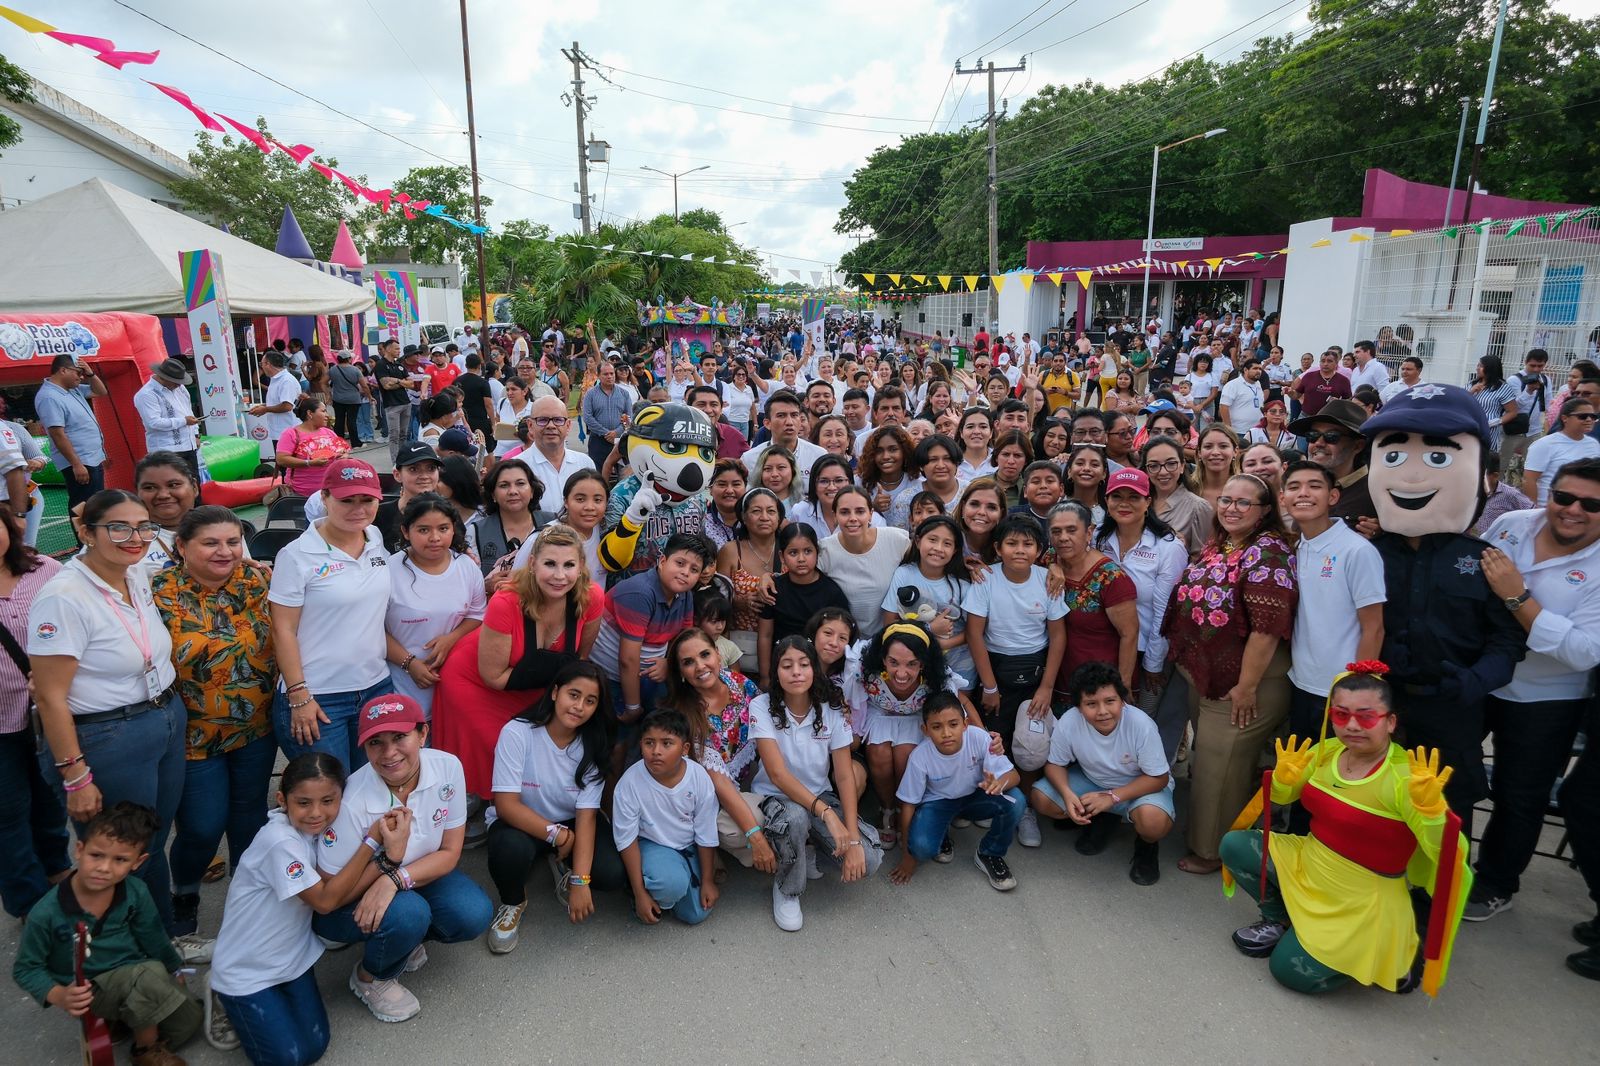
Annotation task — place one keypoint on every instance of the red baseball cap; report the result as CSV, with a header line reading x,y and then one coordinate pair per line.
x,y
394,713
346,477
1128,478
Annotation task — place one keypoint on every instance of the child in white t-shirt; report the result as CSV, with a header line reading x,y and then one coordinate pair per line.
x,y
1106,765
954,774
803,742
664,819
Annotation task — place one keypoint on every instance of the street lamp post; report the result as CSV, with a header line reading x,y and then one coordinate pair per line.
x,y
1150,228
675,177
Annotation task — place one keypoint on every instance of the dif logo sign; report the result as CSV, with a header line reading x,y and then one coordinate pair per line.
x,y
23,341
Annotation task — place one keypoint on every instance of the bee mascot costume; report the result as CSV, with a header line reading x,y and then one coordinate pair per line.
x,y
670,449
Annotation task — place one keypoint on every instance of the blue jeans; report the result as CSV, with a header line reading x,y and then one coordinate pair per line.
x,y
364,428
225,793
673,880
449,910
138,759
338,736
33,825
932,821
282,1025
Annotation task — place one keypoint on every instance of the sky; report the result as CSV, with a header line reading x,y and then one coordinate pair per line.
x,y
780,103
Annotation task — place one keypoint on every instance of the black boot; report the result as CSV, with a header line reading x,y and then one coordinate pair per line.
x,y
1587,933
1096,835
185,913
1585,963
1146,866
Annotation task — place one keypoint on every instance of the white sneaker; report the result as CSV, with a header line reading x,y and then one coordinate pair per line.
x,y
332,945
219,1027
786,909
387,1000
1028,830
502,936
960,823
813,873
417,959
194,949
889,835
559,871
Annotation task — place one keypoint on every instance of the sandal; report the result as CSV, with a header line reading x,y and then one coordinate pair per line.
x,y
216,871
1194,864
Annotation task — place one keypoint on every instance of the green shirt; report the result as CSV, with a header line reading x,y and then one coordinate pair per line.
x,y
130,933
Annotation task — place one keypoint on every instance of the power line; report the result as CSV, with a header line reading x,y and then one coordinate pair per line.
x,y
401,45
979,50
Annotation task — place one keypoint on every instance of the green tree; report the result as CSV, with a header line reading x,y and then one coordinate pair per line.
x,y
14,86
234,182
425,239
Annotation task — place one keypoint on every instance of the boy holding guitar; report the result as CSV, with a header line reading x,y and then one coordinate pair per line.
x,y
131,964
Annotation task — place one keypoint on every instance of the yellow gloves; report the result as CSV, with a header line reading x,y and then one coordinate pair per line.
x,y
1294,761
1427,781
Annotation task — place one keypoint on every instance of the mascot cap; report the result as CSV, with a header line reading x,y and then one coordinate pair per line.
x,y
673,422
1442,410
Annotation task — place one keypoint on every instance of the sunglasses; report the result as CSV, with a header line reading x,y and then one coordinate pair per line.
x,y
1341,717
1327,436
1590,504
1587,417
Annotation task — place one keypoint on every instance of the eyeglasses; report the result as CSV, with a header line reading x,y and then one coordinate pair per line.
x,y
1230,503
1327,436
1590,504
549,420
1341,717
1168,467
1122,432
122,532
832,482
1088,434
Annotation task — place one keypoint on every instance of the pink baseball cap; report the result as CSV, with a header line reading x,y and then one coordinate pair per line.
x,y
394,713
1128,478
346,477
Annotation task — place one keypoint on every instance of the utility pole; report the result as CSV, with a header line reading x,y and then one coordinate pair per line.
x,y
994,185
579,104
472,154
1477,145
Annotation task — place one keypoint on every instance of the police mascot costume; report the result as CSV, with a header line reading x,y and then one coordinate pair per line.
x,y
1448,640
670,448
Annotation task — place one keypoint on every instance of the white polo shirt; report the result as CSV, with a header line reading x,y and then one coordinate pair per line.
x,y
1155,564
930,774
1017,617
343,600
807,755
1551,452
679,817
806,455
283,387
266,936
1243,399
1564,642
528,762
78,614
439,802
1339,573
551,476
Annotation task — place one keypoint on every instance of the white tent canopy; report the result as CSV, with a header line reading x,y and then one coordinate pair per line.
x,y
98,247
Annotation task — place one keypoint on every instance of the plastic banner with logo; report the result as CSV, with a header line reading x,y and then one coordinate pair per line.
x,y
397,306
216,363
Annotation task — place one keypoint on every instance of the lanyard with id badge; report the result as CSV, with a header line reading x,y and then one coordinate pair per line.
x,y
152,679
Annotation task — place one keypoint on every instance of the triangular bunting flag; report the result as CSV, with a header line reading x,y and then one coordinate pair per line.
x,y
1481,226
249,133
27,22
1515,228
1055,276
870,279
1356,238
999,282
1083,277
1026,277
894,279
1324,243
183,98
972,282
920,279
1401,232
1214,263
944,281
1180,264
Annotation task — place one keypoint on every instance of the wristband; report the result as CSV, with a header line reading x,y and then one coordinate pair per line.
x,y
749,834
291,688
308,701
81,783
987,691
405,878
395,877
373,844
406,665
69,762
552,834
580,880
1114,797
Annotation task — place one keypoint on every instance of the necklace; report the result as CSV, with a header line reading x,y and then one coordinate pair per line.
x,y
405,786
1353,770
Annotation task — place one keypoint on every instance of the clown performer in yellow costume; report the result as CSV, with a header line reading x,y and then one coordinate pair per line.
x,y
670,448
1336,905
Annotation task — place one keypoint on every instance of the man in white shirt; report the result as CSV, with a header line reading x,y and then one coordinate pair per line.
x,y
550,458
784,420
168,414
1410,374
1339,615
1368,370
519,347
276,410
1545,565
1242,399
1533,401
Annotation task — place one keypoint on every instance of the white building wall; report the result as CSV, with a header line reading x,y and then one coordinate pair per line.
x,y
1320,289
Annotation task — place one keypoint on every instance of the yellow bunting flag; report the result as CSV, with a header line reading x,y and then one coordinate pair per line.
x,y
1180,264
1214,263
1084,276
1401,232
1055,277
944,281
999,282
920,279
1324,243
972,282
870,279
27,22
1355,237
894,278
1026,277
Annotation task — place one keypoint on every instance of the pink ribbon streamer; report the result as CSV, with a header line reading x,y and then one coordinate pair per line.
x,y
183,98
105,50
249,133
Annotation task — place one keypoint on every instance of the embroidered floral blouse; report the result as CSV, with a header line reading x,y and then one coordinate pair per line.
x,y
1224,597
222,647
728,749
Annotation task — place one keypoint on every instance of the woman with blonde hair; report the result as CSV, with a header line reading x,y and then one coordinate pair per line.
x,y
546,616
1218,457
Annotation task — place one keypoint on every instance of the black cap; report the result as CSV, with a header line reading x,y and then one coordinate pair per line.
x,y
415,452
409,350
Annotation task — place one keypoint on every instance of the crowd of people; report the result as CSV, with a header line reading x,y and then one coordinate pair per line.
x,y
903,591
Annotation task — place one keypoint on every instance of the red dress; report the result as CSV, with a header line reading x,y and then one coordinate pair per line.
x,y
467,714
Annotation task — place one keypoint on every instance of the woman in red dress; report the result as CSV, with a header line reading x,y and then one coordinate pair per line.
x,y
545,617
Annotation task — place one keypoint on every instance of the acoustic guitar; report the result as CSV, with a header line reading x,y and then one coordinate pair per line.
x,y
96,1041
